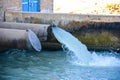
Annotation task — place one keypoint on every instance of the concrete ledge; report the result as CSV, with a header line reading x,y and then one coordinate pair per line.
x,y
62,19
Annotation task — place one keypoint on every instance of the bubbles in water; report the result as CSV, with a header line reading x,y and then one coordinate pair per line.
x,y
70,56
104,60
98,60
77,52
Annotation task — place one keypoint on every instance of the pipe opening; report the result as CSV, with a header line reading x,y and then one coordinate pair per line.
x,y
34,40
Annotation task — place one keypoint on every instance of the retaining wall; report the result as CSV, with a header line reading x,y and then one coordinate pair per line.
x,y
98,32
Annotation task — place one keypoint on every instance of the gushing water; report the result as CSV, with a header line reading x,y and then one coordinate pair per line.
x,y
78,53
73,45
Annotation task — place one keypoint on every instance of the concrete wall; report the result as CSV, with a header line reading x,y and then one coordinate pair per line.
x,y
60,19
95,31
1,12
16,5
9,5
46,6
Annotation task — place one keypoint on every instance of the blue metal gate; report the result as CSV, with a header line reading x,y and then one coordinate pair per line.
x,y
30,5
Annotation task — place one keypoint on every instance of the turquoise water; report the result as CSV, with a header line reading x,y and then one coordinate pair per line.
x,y
75,62
57,65
78,52
73,45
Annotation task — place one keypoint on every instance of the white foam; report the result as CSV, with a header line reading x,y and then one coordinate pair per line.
x,y
72,44
78,54
101,61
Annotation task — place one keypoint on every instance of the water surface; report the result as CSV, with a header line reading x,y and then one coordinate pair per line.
x,y
55,65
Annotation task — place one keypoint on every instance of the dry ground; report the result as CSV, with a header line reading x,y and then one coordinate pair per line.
x,y
87,6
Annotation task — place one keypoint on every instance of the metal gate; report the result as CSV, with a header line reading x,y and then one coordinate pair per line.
x,y
30,5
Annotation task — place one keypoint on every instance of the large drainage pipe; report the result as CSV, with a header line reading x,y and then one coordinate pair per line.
x,y
41,30
20,39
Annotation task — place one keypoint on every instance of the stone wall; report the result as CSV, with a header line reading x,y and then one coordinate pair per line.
x,y
60,19
9,5
46,6
16,5
1,10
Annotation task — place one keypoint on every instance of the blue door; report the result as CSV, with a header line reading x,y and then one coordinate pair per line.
x,y
25,5
33,5
30,5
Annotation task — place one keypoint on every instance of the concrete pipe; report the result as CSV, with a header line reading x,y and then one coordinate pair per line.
x,y
96,35
19,39
41,30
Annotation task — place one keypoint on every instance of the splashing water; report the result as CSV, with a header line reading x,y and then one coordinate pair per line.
x,y
73,45
105,60
77,52
101,60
